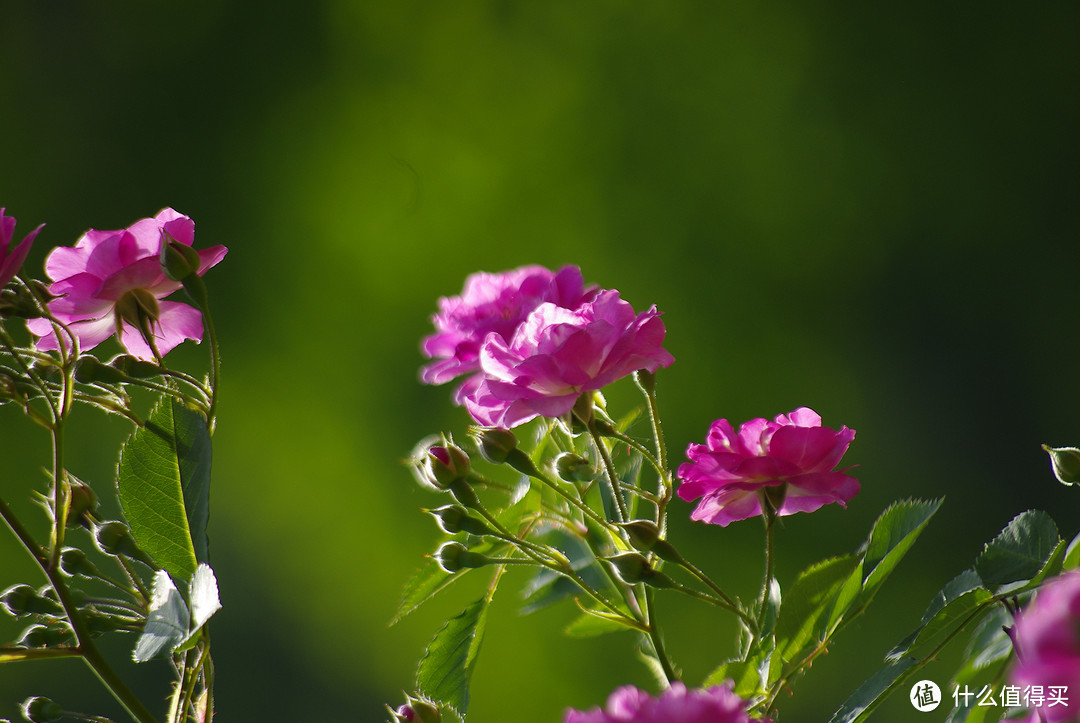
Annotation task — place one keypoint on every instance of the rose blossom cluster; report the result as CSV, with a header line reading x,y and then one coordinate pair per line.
x,y
532,341
1047,641
718,704
112,282
787,464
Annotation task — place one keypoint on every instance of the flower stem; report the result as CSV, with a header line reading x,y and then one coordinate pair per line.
x,y
766,585
621,513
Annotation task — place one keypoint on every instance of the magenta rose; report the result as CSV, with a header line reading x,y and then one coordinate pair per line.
x,y
556,354
111,282
718,704
792,457
11,259
492,303
1047,641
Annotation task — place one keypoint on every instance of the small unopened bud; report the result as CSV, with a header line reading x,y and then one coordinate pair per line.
x,y
453,556
135,368
417,710
442,466
494,443
643,534
1065,462
74,561
455,518
178,261
83,502
88,370
45,636
646,380
17,599
574,468
39,709
114,538
632,568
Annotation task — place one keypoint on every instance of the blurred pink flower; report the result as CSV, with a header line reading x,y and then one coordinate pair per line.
x,y
111,282
1047,641
11,260
492,303
556,354
718,704
792,457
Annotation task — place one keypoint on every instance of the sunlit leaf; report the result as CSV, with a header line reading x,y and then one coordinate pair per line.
x,y
1020,550
163,482
447,666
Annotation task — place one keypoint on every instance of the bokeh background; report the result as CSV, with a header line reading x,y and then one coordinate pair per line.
x,y
868,209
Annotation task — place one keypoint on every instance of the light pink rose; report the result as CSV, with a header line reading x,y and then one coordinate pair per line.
x,y
492,303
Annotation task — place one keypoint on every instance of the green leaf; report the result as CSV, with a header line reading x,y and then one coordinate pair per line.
x,y
805,614
965,610
875,690
422,586
1020,550
163,481
745,674
447,666
890,539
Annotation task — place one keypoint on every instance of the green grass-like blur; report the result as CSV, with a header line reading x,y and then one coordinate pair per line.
x,y
867,210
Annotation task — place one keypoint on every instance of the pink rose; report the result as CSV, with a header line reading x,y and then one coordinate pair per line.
x,y
792,457
556,354
1047,641
11,260
718,704
111,282
492,303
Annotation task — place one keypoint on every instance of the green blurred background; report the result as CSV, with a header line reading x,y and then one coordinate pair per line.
x,y
868,209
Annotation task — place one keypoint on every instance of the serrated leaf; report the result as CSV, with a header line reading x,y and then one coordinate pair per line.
x,y
892,535
428,580
874,691
1020,549
804,616
167,622
163,482
204,596
447,666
